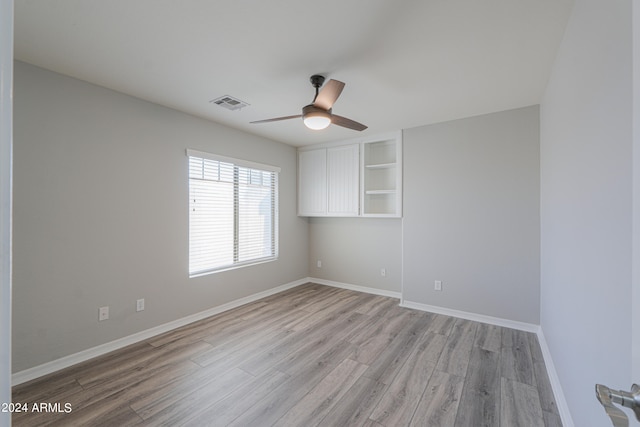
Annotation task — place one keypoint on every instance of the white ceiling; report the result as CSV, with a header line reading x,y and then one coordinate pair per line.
x,y
405,63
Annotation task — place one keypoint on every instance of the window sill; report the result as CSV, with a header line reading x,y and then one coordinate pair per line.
x,y
232,267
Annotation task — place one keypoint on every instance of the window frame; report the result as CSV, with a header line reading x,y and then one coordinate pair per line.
x,y
252,166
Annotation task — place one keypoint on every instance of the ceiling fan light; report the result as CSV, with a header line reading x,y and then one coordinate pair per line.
x,y
316,118
317,122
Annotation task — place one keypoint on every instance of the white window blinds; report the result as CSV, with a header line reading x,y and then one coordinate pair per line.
x,y
233,212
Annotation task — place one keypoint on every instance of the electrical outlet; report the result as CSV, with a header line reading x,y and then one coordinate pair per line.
x,y
319,264
383,272
103,313
140,304
437,285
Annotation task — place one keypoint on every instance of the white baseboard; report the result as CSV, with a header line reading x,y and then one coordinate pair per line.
x,y
563,407
357,288
506,323
72,359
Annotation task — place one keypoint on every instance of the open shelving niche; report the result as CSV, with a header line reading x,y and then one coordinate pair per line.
x,y
382,176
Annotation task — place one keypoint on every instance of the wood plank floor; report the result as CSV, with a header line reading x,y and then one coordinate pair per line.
x,y
309,356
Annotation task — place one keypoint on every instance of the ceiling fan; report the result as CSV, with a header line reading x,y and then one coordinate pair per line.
x,y
318,115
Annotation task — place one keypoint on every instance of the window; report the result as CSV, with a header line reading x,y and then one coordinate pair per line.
x,y
233,213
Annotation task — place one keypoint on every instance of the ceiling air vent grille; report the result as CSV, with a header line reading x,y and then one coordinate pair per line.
x,y
229,102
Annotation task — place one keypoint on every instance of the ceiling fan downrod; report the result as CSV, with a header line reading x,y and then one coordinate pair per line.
x,y
316,81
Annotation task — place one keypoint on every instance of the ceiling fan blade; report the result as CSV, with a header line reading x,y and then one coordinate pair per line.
x,y
328,94
347,123
278,119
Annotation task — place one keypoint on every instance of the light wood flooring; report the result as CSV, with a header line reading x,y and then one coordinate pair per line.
x,y
309,356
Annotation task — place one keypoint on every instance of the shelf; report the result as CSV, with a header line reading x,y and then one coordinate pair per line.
x,y
381,166
380,192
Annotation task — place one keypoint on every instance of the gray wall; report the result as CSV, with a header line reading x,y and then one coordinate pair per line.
x,y
101,218
6,120
354,250
586,206
471,215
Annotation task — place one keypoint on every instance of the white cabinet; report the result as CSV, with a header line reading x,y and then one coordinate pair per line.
x,y
328,181
361,177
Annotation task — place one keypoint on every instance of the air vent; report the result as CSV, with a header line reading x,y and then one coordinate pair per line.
x,y
229,102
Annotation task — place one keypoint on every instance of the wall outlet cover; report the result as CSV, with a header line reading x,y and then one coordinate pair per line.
x,y
103,313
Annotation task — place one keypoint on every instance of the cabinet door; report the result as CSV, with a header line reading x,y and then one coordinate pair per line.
x,y
343,177
312,182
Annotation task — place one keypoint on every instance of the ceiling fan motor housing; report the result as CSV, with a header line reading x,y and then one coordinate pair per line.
x,y
312,110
